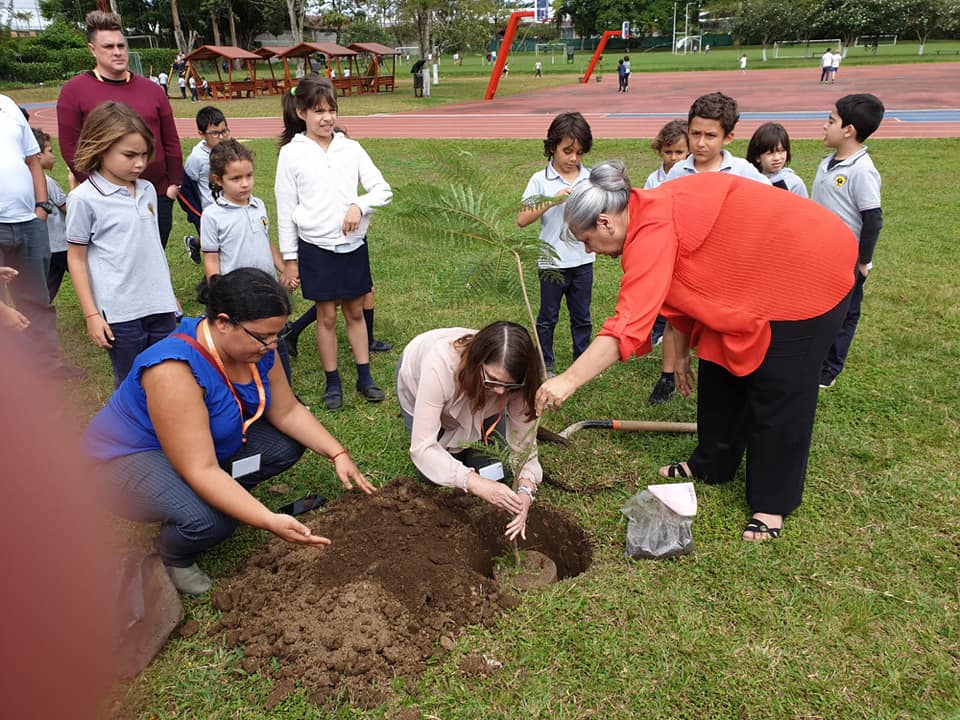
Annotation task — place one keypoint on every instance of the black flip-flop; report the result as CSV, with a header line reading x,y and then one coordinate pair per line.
x,y
756,526
677,469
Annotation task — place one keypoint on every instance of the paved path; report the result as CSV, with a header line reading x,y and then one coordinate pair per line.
x,y
923,100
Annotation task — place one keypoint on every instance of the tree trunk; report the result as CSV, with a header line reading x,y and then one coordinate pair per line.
x,y
177,27
296,22
216,29
114,7
232,23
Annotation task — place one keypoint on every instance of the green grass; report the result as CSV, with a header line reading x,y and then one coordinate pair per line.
x,y
853,613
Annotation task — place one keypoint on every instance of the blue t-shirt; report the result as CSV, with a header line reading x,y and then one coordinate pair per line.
x,y
123,426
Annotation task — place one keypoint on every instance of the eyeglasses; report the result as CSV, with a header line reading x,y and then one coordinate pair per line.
x,y
217,133
487,382
265,342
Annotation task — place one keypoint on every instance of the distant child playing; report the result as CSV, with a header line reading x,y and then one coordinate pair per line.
x,y
235,229
322,223
117,263
56,225
569,274
212,128
671,145
847,183
769,151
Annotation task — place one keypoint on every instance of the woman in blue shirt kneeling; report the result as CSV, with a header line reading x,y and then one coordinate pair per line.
x,y
203,417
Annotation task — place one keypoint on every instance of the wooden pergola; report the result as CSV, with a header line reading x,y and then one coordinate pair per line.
x,y
376,78
268,53
230,88
341,64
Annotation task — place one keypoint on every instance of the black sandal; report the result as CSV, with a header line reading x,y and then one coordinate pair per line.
x,y
757,526
677,469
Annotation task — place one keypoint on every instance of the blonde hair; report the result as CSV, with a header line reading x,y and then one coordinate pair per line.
x,y
106,124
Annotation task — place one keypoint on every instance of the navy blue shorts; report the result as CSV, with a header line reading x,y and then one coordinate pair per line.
x,y
326,276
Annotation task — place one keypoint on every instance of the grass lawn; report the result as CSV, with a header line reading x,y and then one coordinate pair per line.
x,y
852,613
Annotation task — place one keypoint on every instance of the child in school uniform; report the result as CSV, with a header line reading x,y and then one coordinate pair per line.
x,y
769,152
322,222
569,273
848,184
671,146
234,228
212,128
56,212
116,261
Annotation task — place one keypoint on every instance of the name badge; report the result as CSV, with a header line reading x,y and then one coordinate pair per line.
x,y
246,466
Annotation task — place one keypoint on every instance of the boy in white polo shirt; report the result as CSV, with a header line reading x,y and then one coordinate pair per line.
x,y
847,183
212,128
569,272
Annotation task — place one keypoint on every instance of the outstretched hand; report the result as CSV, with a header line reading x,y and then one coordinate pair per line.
x,y
294,531
349,474
553,393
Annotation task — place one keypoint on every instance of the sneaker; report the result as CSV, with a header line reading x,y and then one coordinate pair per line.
x,y
657,339
663,390
381,346
333,397
193,247
827,380
371,392
189,580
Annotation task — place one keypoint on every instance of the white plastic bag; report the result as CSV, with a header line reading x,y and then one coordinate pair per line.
x,y
659,521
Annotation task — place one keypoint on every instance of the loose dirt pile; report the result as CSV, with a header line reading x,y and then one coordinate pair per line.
x,y
408,570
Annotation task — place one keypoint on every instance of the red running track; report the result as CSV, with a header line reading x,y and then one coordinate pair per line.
x,y
656,97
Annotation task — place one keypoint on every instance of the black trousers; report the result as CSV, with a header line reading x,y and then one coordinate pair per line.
x,y
768,414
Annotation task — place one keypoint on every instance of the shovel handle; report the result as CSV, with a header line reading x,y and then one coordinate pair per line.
x,y
660,426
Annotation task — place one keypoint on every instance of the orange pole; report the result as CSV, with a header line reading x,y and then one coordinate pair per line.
x,y
607,34
508,36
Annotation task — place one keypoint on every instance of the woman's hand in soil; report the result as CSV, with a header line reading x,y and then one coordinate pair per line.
x,y
349,474
495,493
294,531
518,526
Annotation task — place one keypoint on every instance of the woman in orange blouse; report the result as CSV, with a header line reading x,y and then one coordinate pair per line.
x,y
757,280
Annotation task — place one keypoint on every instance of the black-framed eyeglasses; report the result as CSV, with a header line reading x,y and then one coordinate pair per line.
x,y
217,133
265,342
487,382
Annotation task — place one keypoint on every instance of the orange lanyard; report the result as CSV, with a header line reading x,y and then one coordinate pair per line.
x,y
261,393
495,423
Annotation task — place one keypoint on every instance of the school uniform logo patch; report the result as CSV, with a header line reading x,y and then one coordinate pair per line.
x,y
150,208
266,223
840,181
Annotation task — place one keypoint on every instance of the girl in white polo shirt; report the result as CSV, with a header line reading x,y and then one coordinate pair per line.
x,y
116,261
235,228
322,222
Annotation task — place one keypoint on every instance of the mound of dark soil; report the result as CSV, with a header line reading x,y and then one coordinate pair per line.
x,y
409,569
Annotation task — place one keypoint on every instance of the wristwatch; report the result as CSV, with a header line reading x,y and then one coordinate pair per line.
x,y
527,491
47,206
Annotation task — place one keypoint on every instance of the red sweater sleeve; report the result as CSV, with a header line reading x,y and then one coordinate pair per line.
x,y
172,151
649,256
69,122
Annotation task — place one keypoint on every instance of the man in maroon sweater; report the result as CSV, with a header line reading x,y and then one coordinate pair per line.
x,y
111,80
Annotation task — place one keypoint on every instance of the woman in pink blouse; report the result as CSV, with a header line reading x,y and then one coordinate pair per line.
x,y
458,386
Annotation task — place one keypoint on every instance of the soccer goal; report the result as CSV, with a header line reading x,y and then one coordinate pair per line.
x,y
804,48
554,50
874,40
408,51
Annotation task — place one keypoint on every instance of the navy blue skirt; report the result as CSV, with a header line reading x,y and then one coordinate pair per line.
x,y
326,276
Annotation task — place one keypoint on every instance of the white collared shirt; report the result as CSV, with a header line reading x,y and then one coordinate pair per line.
x,y
240,234
547,183
728,164
197,168
129,276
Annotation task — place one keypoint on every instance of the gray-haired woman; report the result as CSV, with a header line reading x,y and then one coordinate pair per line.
x,y
757,280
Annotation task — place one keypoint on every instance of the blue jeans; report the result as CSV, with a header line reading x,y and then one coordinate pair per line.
x,y
25,247
132,337
144,487
576,284
837,354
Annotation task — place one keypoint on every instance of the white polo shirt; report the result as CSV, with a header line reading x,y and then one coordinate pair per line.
x,y
129,276
548,182
848,188
728,164
789,178
197,168
239,233
16,144
56,224
655,179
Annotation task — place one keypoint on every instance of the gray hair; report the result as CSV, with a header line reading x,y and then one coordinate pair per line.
x,y
606,190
